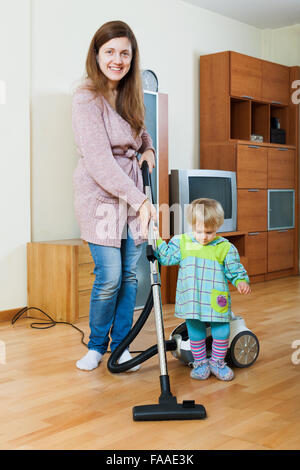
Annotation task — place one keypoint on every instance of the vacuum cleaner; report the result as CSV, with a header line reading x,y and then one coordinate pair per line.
x,y
242,352
167,407
243,349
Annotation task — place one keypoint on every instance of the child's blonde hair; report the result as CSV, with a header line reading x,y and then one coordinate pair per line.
x,y
209,212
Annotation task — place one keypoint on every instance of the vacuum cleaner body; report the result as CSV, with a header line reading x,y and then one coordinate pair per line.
x,y
243,347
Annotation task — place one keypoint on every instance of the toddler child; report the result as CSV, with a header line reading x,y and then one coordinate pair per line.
x,y
206,261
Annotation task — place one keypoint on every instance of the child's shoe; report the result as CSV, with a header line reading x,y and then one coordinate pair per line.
x,y
221,370
201,370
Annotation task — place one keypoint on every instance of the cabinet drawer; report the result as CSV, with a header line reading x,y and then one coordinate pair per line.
x,y
280,250
84,254
252,210
86,276
281,168
252,166
246,76
257,245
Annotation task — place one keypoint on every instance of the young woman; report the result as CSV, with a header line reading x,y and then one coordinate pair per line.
x,y
111,208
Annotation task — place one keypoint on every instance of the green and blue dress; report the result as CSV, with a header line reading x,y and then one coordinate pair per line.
x,y
202,291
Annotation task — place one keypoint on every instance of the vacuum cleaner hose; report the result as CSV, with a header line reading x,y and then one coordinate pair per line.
x,y
112,363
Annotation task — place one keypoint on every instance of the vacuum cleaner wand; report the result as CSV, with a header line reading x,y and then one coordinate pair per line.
x,y
167,407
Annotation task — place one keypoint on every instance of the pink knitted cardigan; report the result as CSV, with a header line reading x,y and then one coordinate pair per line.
x,y
108,187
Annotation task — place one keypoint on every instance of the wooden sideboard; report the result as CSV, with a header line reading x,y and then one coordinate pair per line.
x,y
60,278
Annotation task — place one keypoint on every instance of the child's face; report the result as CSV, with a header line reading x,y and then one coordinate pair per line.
x,y
205,235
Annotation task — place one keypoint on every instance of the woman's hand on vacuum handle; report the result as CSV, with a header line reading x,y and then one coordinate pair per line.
x,y
146,211
149,157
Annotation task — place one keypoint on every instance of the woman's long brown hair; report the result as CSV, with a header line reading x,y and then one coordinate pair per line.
x,y
130,102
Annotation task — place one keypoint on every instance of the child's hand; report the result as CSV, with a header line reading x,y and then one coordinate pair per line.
x,y
244,288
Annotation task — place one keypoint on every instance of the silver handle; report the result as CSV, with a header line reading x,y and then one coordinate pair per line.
x,y
253,233
282,149
248,97
253,190
156,291
276,102
253,146
283,230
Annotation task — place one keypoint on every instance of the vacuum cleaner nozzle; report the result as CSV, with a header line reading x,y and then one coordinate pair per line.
x,y
169,411
167,408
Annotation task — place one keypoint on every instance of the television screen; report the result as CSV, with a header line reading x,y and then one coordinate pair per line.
x,y
281,208
213,188
188,185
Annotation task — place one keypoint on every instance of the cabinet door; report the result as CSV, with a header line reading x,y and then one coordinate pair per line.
x,y
281,168
245,76
275,83
252,162
252,210
257,245
280,250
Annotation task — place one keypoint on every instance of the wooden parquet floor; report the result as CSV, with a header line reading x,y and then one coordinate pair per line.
x,y
46,403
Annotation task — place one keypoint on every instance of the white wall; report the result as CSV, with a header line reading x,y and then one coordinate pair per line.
x,y
14,151
282,45
171,34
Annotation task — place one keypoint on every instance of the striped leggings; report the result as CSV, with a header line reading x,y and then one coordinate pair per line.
x,y
197,333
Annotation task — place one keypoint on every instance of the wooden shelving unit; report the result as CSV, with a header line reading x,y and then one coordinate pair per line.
x,y
246,93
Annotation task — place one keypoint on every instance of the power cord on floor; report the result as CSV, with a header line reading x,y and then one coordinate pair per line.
x,y
44,325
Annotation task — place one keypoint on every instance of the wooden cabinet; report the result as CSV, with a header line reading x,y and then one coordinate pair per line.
x,y
60,278
280,250
245,76
281,168
251,94
252,210
263,167
275,82
252,166
258,79
257,246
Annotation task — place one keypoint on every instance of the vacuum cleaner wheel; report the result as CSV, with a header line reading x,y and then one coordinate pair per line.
x,y
244,349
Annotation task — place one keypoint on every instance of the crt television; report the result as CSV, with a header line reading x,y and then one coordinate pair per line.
x,y
187,185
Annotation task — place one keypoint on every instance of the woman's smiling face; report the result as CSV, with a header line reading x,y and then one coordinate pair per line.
x,y
114,58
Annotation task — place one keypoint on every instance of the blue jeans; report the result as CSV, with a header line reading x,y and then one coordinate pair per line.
x,y
113,295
